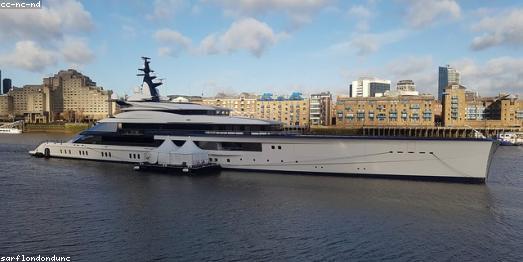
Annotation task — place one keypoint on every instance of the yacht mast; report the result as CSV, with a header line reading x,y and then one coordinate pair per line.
x,y
148,79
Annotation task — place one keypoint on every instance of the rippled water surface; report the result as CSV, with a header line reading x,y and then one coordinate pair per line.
x,y
93,211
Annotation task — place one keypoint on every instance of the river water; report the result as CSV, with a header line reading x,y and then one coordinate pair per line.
x,y
93,211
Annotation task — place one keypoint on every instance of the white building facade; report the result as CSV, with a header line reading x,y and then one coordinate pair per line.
x,y
369,87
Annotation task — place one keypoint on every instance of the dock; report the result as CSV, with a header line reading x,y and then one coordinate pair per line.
x,y
205,169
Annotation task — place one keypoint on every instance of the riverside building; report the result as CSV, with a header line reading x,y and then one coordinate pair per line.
x,y
320,109
30,103
243,105
462,108
74,97
390,111
6,107
293,111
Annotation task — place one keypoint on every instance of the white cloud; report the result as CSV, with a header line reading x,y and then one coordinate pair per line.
x,y
209,45
76,51
245,34
55,19
368,43
172,42
166,9
362,15
360,11
43,37
299,11
502,29
28,55
420,69
502,74
421,13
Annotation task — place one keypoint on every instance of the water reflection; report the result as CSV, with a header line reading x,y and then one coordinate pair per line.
x,y
102,211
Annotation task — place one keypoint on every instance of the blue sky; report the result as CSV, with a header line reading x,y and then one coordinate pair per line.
x,y
279,46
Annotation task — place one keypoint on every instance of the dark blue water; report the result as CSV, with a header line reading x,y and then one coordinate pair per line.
x,y
95,211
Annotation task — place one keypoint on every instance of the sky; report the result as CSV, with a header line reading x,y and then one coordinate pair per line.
x,y
278,46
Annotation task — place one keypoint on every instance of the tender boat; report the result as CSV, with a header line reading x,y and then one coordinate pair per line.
x,y
10,131
510,139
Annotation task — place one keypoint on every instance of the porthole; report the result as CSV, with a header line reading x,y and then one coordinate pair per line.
x,y
109,154
281,161
273,147
210,159
279,147
228,160
216,160
86,153
130,155
267,160
253,160
138,156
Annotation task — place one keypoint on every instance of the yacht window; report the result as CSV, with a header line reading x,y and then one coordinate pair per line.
x,y
130,156
104,127
138,156
88,140
109,154
229,146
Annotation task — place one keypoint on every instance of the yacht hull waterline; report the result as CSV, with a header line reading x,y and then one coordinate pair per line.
x,y
365,156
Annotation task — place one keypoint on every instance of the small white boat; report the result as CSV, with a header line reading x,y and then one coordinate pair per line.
x,y
510,139
10,131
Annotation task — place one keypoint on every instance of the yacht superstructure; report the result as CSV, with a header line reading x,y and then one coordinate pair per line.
x,y
253,144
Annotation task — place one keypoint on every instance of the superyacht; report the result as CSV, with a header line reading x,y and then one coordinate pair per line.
x,y
147,123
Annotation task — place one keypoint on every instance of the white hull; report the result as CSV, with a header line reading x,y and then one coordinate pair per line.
x,y
465,159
